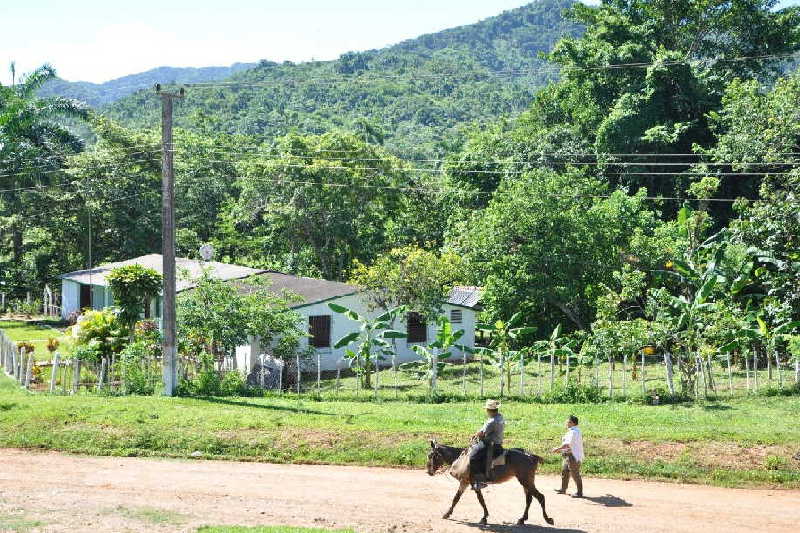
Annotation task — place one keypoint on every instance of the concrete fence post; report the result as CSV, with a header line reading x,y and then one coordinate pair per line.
x,y
29,371
54,372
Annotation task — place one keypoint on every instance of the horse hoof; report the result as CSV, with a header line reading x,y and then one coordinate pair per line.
x,y
445,516
521,522
550,521
482,522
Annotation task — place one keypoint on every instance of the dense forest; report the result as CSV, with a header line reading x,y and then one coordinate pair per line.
x,y
415,98
98,95
647,193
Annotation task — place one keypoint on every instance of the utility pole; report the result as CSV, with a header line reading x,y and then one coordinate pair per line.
x,y
169,352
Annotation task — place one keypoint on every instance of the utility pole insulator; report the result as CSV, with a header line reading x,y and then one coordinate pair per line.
x,y
169,351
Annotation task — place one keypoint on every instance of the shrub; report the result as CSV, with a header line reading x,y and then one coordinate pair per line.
x,y
775,462
141,374
573,392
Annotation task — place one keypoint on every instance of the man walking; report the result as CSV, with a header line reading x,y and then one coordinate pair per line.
x,y
571,450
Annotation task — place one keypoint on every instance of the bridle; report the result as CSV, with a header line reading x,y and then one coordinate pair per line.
x,y
436,454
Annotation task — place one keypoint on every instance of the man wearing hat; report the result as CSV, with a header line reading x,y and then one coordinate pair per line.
x,y
490,436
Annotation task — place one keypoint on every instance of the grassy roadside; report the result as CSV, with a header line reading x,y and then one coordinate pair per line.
x,y
745,442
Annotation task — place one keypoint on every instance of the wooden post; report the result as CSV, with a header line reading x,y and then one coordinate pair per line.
x,y
521,374
611,377
730,374
54,372
464,372
64,375
21,366
540,376
642,377
566,374
298,372
101,377
778,366
480,369
169,359
319,375
755,371
552,369
624,373
76,375
747,370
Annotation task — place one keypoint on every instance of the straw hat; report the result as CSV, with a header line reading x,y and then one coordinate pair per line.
x,y
492,405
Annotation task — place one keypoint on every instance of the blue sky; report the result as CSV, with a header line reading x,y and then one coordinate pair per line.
x,y
98,40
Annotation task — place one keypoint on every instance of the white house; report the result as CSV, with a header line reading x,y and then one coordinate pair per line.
x,y
89,288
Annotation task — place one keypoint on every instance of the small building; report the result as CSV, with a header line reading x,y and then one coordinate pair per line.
x,y
89,289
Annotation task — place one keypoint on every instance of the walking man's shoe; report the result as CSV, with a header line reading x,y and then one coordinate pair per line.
x,y
576,495
559,491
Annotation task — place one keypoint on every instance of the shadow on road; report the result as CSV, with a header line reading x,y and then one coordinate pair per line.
x,y
527,528
609,501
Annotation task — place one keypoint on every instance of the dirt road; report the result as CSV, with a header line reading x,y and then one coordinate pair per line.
x,y
56,492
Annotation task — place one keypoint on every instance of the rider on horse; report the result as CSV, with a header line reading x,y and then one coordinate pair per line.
x,y
489,437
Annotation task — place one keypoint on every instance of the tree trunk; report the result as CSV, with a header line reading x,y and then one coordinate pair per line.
x,y
502,372
570,314
566,376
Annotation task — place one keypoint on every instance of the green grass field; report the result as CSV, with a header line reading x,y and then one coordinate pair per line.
x,y
37,332
741,442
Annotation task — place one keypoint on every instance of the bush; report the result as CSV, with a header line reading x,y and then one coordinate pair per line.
x,y
775,462
141,375
573,392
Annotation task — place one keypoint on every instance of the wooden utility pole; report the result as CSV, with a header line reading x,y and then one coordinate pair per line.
x,y
169,355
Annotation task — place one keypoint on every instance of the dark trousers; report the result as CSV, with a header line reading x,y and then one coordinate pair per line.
x,y
477,458
571,467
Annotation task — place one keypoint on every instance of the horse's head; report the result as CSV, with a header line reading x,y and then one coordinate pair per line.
x,y
435,459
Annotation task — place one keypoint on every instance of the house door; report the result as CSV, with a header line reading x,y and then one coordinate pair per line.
x,y
86,297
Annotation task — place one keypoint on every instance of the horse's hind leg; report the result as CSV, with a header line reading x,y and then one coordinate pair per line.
x,y
528,499
485,509
539,496
457,497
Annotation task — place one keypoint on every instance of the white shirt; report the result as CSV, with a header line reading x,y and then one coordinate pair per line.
x,y
574,439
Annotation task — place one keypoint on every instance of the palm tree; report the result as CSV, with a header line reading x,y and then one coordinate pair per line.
x,y
34,145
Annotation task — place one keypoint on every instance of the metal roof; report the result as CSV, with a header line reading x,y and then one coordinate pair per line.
x,y
187,271
311,290
465,297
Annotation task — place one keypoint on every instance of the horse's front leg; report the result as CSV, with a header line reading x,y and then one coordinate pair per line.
x,y
485,509
457,497
539,496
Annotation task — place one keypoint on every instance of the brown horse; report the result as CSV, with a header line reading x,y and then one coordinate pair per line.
x,y
519,464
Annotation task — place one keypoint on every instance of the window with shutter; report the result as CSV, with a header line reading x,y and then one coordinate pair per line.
x,y
319,327
456,316
417,328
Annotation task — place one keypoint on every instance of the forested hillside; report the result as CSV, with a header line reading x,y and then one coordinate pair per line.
x,y
413,97
98,95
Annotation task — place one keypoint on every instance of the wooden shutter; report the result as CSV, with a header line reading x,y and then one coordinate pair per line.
x,y
319,327
417,328
456,316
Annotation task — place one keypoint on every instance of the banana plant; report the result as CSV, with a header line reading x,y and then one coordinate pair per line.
x,y
502,334
433,357
372,340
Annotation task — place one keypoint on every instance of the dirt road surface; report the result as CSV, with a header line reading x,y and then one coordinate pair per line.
x,y
56,492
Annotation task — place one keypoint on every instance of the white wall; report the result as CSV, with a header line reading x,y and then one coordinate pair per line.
x,y
70,297
247,355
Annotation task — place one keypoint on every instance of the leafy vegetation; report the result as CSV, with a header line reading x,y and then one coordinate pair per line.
x,y
672,442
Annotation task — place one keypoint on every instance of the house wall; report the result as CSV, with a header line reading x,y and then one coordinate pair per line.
x,y
247,355
70,297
